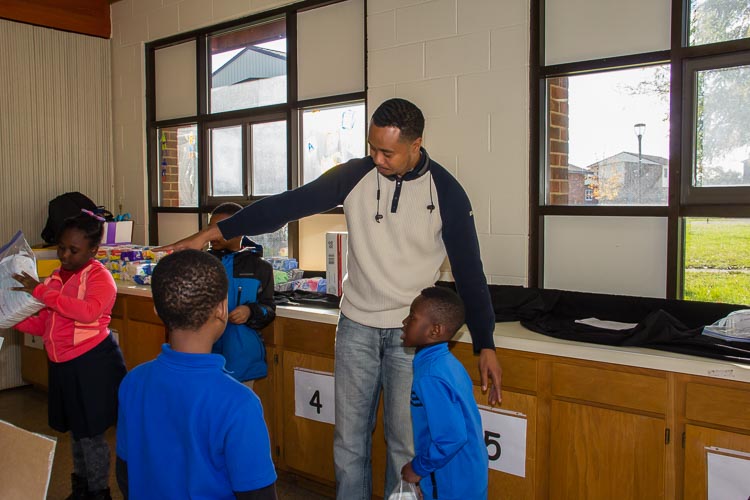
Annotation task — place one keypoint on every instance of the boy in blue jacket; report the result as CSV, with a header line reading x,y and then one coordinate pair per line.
x,y
451,458
251,306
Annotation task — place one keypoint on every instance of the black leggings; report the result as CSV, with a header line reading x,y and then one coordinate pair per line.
x,y
91,461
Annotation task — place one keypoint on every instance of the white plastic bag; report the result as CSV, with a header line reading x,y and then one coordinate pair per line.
x,y
15,257
404,491
735,326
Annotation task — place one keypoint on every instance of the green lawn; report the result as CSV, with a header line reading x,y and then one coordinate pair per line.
x,y
717,244
732,288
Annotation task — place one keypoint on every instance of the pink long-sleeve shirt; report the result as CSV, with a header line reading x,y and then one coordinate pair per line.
x,y
77,313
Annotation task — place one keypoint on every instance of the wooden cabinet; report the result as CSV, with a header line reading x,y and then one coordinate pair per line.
x,y
607,432
717,417
602,453
593,430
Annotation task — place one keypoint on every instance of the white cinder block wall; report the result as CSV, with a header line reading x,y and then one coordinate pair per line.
x,y
464,62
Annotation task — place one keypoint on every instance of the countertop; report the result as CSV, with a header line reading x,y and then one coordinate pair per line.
x,y
512,335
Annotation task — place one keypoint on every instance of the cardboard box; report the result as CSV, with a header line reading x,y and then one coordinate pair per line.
x,y
46,260
336,254
117,232
25,463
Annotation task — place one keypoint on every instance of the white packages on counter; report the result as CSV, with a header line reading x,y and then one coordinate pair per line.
x,y
15,257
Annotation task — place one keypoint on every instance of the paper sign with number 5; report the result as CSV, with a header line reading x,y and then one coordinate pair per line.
x,y
505,437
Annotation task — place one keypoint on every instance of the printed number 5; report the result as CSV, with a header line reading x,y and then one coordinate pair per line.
x,y
489,441
315,402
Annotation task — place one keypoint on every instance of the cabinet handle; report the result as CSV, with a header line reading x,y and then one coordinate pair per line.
x,y
666,435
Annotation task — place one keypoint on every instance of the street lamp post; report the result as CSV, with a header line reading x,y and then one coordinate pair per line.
x,y
639,129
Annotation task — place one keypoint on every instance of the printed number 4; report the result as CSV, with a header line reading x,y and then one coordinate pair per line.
x,y
315,402
489,441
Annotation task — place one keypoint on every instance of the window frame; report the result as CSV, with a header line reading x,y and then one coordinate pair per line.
x,y
205,121
699,195
678,57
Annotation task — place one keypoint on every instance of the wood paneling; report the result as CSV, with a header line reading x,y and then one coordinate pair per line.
x,y
306,336
501,484
598,453
696,440
88,17
308,445
718,405
142,342
142,309
519,372
34,366
618,388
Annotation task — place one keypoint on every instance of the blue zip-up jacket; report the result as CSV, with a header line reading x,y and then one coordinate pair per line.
x,y
251,284
450,454
422,217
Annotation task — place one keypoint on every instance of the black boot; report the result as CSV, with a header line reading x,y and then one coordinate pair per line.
x,y
99,495
80,488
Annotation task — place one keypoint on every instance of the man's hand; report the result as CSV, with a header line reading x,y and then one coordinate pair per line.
x,y
240,315
28,282
197,241
490,371
408,474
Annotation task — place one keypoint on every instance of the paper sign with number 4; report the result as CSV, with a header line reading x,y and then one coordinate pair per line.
x,y
505,437
313,395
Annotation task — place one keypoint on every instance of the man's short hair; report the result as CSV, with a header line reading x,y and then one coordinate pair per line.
x,y
187,286
403,115
227,208
445,307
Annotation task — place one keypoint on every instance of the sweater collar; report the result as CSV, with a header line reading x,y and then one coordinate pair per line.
x,y
185,360
422,167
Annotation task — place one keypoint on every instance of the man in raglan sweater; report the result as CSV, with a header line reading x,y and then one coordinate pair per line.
x,y
404,213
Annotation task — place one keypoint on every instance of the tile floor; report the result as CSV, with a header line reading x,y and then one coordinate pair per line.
x,y
26,407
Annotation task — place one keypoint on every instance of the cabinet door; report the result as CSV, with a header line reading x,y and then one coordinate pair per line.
x,y
696,471
502,484
600,453
264,388
307,444
141,342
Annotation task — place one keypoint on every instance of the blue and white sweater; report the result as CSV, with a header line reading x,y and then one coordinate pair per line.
x,y
391,260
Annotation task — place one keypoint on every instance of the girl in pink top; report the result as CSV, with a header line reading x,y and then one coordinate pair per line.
x,y
85,363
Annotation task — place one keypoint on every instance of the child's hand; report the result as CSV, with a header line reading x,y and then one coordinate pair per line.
x,y
408,474
28,282
240,315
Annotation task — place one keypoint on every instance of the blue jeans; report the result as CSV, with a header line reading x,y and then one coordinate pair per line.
x,y
367,359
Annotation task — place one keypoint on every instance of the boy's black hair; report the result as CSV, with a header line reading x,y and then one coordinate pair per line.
x,y
187,286
445,306
227,208
403,115
91,227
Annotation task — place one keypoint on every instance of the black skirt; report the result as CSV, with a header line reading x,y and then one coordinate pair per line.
x,y
82,394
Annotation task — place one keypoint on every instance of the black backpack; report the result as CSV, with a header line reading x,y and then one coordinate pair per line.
x,y
64,206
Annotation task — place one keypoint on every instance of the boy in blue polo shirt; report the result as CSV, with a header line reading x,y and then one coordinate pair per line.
x,y
186,429
450,460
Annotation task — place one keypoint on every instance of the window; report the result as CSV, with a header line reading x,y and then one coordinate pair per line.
x,y
713,21
717,260
331,135
717,144
607,101
248,67
248,95
178,166
611,130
